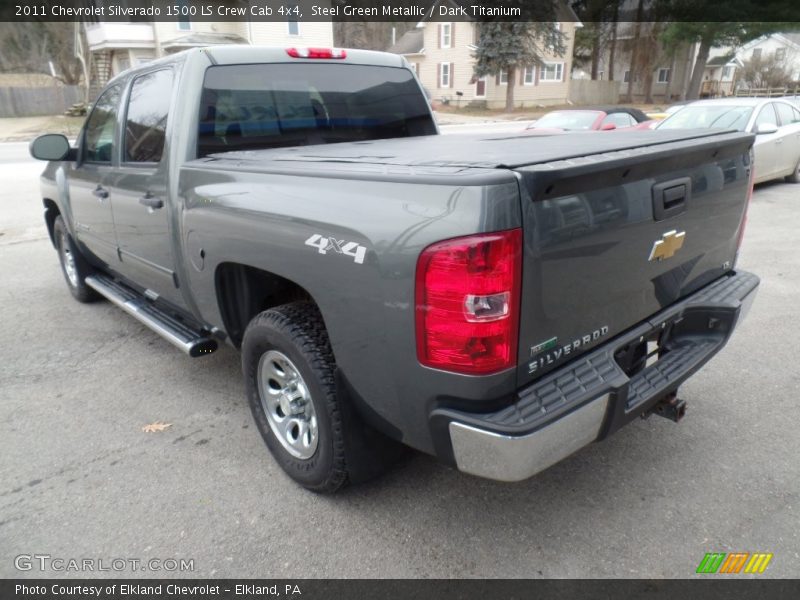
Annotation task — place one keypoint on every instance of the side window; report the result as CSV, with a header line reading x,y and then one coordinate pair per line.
x,y
99,133
786,113
767,115
146,120
619,119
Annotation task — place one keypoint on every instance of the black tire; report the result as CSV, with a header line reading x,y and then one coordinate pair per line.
x,y
297,331
76,282
795,176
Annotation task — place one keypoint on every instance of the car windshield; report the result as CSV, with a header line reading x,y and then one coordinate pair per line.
x,y
567,119
709,116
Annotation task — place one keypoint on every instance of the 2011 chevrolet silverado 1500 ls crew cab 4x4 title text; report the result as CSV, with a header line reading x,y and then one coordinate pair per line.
x,y
498,302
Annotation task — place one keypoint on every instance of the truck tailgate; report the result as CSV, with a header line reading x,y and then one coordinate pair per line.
x,y
611,239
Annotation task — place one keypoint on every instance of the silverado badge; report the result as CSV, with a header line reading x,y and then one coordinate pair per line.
x,y
668,245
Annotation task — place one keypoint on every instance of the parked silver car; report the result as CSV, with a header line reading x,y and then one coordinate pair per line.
x,y
776,123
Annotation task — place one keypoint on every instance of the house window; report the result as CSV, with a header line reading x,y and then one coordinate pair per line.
x,y
663,75
726,72
503,77
444,75
626,77
552,72
552,38
446,33
780,53
529,75
756,53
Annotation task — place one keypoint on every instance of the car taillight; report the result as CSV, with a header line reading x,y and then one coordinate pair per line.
x,y
316,52
467,303
746,206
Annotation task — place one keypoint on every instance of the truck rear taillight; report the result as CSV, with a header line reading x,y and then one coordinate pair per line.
x,y
316,52
467,303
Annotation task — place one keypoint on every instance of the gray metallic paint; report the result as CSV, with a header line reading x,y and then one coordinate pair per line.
x,y
258,210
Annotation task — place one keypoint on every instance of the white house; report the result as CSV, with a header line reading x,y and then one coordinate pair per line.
x,y
724,66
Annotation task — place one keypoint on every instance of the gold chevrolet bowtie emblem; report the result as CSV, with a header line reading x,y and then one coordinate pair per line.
x,y
668,245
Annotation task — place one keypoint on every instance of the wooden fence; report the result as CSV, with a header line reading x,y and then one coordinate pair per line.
x,y
768,92
36,101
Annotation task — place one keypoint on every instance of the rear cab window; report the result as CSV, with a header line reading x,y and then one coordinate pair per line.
x,y
257,106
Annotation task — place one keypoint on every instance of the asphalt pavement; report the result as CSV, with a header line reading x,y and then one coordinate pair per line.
x,y
79,479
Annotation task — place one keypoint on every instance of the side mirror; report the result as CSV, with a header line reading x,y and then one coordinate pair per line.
x,y
607,127
51,146
766,128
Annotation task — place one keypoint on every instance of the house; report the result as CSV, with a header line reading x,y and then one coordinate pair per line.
x,y
672,67
442,54
722,76
719,76
114,47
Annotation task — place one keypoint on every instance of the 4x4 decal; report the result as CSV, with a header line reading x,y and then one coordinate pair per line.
x,y
324,244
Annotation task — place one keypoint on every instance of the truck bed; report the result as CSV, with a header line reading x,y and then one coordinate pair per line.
x,y
479,151
588,212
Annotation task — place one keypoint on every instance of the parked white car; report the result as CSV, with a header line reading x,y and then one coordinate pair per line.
x,y
776,123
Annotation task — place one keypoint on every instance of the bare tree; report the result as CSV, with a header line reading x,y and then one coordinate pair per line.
x,y
35,47
369,35
767,71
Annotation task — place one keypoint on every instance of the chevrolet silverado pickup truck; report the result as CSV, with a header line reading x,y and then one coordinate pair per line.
x,y
496,301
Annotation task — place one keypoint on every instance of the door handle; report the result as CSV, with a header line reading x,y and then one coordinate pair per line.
x,y
151,201
100,192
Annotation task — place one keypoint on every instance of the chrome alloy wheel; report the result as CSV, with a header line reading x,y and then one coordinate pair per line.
x,y
68,261
287,404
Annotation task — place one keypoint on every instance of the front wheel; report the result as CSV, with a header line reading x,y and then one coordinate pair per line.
x,y
73,265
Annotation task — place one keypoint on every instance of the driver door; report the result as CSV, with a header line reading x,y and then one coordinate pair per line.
x,y
88,179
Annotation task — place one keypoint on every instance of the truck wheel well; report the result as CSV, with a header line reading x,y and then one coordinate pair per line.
x,y
50,213
244,291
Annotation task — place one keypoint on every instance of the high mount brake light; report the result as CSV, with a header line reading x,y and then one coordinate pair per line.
x,y
467,303
316,52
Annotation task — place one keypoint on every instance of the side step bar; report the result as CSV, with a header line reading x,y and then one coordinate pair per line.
x,y
192,342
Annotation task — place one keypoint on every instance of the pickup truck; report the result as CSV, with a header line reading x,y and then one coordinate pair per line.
x,y
496,301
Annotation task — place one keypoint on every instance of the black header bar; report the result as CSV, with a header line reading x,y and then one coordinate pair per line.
x,y
395,10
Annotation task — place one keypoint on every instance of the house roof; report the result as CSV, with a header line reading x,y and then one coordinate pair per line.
x,y
411,42
193,40
720,61
793,37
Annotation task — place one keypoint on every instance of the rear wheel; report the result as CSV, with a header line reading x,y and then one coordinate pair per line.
x,y
73,265
306,421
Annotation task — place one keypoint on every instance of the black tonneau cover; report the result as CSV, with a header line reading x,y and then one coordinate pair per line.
x,y
487,151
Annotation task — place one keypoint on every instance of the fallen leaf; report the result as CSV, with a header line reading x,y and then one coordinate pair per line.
x,y
157,426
